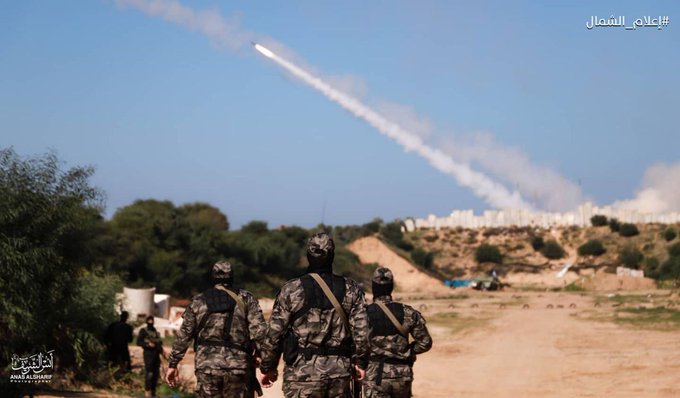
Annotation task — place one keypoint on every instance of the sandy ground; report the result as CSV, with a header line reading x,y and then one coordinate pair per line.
x,y
541,352
408,279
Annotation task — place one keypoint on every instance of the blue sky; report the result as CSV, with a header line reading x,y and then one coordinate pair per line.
x,y
162,112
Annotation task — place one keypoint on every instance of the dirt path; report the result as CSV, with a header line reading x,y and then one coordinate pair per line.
x,y
539,352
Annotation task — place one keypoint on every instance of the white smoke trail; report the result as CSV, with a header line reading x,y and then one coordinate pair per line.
x,y
228,33
493,193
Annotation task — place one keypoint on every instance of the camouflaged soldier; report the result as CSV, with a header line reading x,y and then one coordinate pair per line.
x,y
227,327
389,372
321,355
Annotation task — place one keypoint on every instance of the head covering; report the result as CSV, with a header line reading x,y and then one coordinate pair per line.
x,y
320,253
222,273
382,282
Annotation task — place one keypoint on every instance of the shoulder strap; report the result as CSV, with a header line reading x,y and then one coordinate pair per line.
x,y
327,291
236,297
392,318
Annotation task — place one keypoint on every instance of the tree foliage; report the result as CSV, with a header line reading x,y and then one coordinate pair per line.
x,y
537,243
49,223
593,247
614,225
422,257
669,234
628,230
552,250
598,220
486,253
630,257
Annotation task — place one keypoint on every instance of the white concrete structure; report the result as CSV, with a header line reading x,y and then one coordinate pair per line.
x,y
161,305
138,302
517,217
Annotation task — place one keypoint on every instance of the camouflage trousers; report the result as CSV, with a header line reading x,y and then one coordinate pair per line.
x,y
331,388
225,385
388,388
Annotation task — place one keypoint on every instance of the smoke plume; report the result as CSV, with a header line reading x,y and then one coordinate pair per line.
x,y
659,191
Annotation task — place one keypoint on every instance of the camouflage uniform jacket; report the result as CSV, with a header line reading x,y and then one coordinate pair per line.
x,y
218,359
314,329
397,346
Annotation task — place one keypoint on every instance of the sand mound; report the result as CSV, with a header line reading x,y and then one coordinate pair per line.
x,y
408,279
603,281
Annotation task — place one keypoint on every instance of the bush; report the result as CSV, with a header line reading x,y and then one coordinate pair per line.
x,y
486,253
614,225
422,257
598,220
669,234
552,250
592,248
537,243
674,250
651,265
628,230
630,257
670,269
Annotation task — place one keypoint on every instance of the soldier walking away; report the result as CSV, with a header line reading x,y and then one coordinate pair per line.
x,y
227,327
390,368
150,340
319,324
118,336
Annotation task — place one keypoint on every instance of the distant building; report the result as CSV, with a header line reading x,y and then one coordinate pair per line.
x,y
518,217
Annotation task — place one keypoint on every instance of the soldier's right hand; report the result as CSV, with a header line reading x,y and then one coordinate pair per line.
x,y
171,376
267,379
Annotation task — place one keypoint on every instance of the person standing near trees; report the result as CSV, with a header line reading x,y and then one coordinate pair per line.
x,y
118,336
150,340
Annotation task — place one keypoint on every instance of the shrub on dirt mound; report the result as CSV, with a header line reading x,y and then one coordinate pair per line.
x,y
486,253
669,234
552,250
598,220
422,257
628,230
614,225
630,257
674,250
592,248
537,243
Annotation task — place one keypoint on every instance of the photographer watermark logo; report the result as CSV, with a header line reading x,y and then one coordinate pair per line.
x,y
36,368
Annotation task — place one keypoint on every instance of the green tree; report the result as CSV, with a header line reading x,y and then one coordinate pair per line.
x,y
598,220
674,250
614,225
628,230
422,257
669,234
537,243
552,250
486,253
630,257
255,228
593,247
49,222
